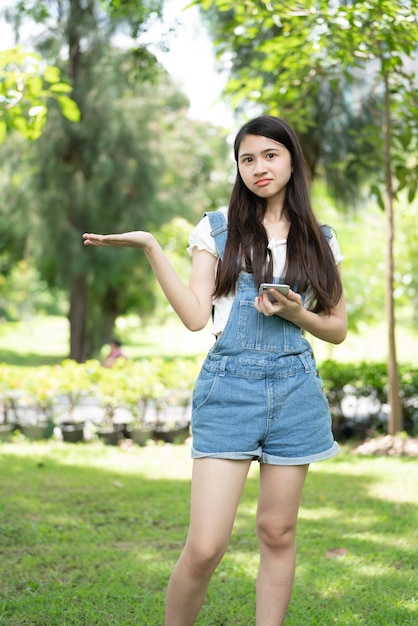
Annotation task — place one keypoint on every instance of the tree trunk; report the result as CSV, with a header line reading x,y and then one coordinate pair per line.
x,y
90,328
102,320
99,331
78,314
79,344
395,423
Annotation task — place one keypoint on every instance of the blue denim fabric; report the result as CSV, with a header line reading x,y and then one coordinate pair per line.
x,y
259,395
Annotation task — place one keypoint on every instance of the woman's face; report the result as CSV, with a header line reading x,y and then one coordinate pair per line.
x,y
265,166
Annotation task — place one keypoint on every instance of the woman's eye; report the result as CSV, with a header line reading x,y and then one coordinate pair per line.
x,y
271,155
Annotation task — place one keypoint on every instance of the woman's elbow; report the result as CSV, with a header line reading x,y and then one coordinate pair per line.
x,y
337,340
194,328
195,325
339,336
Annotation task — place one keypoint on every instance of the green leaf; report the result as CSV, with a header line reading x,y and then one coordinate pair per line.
x,y
69,108
34,86
52,74
412,191
60,88
375,191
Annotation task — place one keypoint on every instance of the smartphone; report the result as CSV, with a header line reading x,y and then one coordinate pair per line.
x,y
265,288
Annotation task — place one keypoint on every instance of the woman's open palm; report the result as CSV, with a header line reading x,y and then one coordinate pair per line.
x,y
134,239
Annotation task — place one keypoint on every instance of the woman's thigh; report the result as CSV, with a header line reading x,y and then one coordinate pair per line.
x,y
281,489
217,485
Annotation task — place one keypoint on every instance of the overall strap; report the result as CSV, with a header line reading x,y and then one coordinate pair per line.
x,y
219,230
327,231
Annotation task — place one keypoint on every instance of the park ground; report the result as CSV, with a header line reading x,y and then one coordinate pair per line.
x,y
91,532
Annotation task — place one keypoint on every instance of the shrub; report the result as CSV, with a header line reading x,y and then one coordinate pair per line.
x,y
133,385
343,381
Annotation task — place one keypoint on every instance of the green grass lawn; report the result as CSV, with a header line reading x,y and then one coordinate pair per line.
x,y
89,535
45,341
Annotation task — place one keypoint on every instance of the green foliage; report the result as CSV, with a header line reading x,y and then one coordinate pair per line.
x,y
90,534
14,224
322,66
361,239
369,380
22,293
124,179
406,254
26,85
137,14
116,170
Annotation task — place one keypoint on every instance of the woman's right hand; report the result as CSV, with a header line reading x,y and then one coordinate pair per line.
x,y
134,239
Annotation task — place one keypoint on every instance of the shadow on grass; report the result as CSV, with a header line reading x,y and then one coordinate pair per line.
x,y
95,546
29,359
357,554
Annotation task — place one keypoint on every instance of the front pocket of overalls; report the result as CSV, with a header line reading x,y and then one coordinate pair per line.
x,y
203,389
272,334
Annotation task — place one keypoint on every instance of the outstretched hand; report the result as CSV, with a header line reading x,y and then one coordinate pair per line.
x,y
134,239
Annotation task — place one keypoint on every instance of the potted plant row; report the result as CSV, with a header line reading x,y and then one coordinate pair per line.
x,y
141,400
27,399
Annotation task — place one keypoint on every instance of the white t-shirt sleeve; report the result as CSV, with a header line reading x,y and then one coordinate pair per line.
x,y
335,247
201,238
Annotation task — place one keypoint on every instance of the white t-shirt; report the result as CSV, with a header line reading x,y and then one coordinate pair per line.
x,y
201,238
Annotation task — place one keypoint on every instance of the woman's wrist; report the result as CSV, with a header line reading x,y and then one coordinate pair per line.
x,y
150,244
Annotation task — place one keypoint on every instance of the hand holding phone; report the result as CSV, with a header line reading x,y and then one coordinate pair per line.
x,y
265,288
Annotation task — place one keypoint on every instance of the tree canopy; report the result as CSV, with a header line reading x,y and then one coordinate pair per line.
x,y
320,65
133,161
26,84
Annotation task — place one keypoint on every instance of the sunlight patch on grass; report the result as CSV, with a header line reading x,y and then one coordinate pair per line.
x,y
47,335
397,488
382,540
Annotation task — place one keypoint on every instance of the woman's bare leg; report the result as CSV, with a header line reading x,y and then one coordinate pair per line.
x,y
216,489
278,506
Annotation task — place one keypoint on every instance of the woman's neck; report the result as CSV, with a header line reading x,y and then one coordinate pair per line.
x,y
276,224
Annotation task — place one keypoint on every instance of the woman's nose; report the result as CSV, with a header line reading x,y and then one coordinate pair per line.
x,y
259,166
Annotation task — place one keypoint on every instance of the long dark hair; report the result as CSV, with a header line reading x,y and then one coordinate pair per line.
x,y
309,259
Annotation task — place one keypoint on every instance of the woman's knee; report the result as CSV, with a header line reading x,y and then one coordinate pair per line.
x,y
275,534
203,557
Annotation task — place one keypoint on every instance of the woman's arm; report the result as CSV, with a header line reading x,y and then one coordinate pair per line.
x,y
193,303
331,328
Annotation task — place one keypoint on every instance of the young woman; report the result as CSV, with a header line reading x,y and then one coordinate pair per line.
x,y
258,395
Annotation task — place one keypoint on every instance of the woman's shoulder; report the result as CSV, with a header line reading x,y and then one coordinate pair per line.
x,y
327,230
221,213
201,236
333,242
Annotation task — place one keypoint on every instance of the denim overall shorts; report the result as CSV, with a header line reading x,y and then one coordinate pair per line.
x,y
259,395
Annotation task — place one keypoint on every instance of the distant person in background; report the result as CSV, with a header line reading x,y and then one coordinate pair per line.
x,y
114,354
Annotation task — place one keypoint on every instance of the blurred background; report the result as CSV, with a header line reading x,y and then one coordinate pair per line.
x,y
118,115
